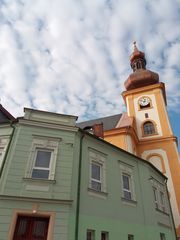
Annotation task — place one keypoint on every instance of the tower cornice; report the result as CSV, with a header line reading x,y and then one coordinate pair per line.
x,y
159,85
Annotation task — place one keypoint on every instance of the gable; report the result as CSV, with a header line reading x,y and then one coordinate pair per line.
x,y
5,116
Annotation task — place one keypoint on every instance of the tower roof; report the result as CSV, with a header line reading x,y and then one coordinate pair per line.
x,y
136,54
141,76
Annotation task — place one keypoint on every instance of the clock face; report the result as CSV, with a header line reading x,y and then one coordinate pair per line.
x,y
144,101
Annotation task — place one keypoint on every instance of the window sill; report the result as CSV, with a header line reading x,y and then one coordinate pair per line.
x,y
161,211
150,135
129,201
96,193
39,180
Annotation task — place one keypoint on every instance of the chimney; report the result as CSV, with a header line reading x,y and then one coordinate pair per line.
x,y
98,130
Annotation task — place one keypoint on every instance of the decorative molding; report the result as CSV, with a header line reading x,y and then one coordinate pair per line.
x,y
163,212
47,125
46,181
95,193
164,225
126,164
35,213
129,201
47,137
41,200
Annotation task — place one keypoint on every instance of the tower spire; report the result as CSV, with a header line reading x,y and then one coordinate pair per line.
x,y
137,59
135,47
140,76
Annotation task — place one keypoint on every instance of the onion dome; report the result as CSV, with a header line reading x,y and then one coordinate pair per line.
x,y
141,76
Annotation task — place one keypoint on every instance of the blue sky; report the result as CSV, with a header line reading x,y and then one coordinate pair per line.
x,y
72,56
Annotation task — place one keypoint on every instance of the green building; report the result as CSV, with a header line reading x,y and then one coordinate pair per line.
x,y
58,182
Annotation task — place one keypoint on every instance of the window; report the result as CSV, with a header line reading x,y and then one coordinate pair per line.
x,y
42,158
126,186
130,237
97,179
104,235
96,170
90,235
149,128
162,236
146,115
127,182
162,201
155,196
3,146
42,164
159,196
28,227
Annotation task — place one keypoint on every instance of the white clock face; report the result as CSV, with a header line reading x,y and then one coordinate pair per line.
x,y
144,101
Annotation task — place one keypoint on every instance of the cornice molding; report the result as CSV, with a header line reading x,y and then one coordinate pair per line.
x,y
47,125
152,87
130,131
42,200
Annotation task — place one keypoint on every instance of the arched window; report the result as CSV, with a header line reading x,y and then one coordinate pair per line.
x,y
149,128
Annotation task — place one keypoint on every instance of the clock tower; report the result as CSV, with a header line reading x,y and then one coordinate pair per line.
x,y
152,136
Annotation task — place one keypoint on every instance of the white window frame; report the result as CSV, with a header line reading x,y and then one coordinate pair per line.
x,y
46,144
130,186
3,146
43,168
162,201
100,177
126,169
96,157
155,192
161,197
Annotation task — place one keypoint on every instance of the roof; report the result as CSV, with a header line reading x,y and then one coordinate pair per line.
x,y
109,122
125,121
5,116
85,133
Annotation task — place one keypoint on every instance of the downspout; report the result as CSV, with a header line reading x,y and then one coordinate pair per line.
x,y
7,150
78,188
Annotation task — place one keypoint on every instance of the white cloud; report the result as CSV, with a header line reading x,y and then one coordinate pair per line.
x,y
72,56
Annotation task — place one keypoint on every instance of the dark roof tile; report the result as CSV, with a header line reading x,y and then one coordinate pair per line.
x,y
109,122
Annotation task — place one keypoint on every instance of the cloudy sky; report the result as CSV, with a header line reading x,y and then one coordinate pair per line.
x,y
72,56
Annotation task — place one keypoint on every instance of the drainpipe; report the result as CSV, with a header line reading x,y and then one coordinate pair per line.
x,y
7,150
78,188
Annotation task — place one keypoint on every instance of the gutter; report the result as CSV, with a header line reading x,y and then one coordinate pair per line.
x,y
78,189
7,150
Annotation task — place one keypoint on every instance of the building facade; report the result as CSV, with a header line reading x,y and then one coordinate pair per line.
x,y
36,176
145,129
60,182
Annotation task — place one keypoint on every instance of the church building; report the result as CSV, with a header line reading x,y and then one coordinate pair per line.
x,y
145,129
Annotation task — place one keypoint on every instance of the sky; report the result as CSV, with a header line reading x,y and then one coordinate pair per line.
x,y
72,56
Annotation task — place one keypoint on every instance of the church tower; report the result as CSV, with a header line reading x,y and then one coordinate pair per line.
x,y
153,138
